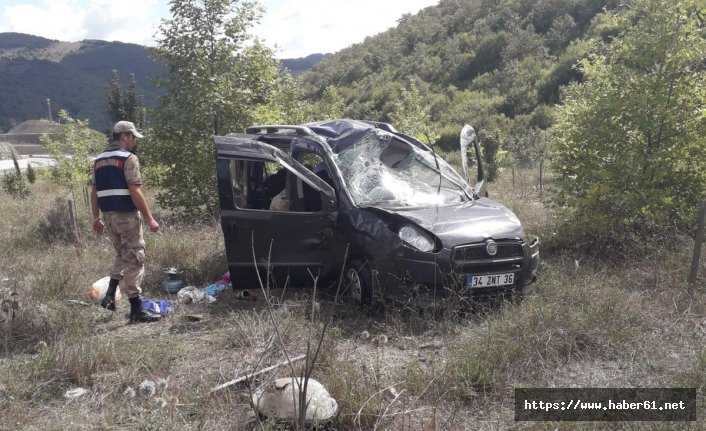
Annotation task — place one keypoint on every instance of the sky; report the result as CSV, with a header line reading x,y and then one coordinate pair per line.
x,y
296,28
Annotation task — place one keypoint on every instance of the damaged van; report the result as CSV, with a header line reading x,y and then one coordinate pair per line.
x,y
359,202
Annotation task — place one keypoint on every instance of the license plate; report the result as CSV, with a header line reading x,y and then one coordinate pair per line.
x,y
474,281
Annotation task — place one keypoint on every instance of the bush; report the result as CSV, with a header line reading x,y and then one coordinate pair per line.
x,y
28,322
449,138
31,175
491,155
14,183
57,226
630,144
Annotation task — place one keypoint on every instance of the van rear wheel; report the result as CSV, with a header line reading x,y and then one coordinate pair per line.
x,y
359,282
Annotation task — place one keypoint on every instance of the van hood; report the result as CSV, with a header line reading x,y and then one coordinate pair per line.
x,y
473,221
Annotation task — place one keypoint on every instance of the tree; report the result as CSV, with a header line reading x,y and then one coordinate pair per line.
x,y
525,142
330,106
630,141
218,76
114,98
72,150
492,154
285,105
31,174
134,108
411,115
125,107
14,183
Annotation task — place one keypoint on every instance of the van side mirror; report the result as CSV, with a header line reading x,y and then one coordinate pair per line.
x,y
468,136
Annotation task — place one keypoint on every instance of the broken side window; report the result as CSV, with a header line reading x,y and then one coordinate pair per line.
x,y
247,181
267,185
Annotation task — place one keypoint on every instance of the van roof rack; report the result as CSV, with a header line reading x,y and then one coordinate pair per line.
x,y
300,130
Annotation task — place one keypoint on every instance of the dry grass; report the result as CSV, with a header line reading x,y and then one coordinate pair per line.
x,y
626,323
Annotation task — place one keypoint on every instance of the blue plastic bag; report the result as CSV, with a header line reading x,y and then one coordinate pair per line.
x,y
214,289
156,306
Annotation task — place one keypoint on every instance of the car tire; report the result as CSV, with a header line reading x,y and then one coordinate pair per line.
x,y
358,281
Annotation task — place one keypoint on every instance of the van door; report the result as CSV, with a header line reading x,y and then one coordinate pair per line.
x,y
259,233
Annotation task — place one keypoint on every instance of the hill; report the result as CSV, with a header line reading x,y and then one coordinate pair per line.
x,y
74,75
36,127
298,66
25,137
497,65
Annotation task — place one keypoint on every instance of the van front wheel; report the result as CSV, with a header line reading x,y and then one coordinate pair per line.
x,y
358,282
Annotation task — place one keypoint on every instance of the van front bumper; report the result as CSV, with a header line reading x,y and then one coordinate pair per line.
x,y
450,268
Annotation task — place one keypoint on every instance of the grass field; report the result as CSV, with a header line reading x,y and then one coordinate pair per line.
x,y
617,321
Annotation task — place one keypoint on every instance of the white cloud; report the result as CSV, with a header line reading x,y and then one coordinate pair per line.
x,y
124,20
303,27
59,19
67,20
297,27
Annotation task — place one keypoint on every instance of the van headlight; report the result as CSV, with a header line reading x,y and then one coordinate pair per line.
x,y
416,238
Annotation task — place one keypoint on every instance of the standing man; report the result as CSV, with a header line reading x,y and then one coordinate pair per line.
x,y
117,194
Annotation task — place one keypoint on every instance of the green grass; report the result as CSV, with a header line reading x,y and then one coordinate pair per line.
x,y
588,322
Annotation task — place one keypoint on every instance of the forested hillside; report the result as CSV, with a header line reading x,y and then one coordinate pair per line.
x,y
73,75
494,64
609,93
297,66
26,84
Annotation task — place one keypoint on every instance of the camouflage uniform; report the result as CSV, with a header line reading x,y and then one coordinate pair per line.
x,y
125,231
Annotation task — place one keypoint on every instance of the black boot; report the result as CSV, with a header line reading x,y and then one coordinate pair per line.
x,y
108,301
138,315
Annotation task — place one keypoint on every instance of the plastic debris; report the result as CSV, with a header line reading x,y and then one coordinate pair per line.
x,y
214,289
209,293
191,294
218,287
98,289
75,393
281,401
157,306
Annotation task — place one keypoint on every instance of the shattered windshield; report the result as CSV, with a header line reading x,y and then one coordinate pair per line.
x,y
383,171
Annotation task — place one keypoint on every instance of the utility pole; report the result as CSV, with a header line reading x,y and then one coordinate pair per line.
x,y
49,107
